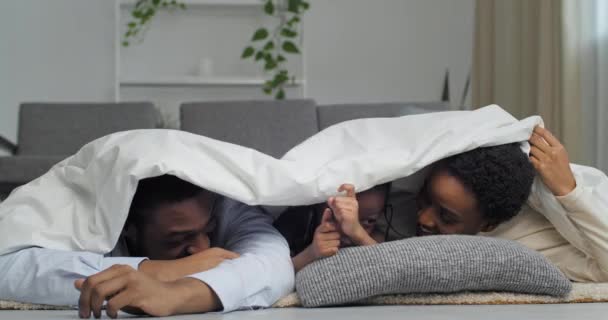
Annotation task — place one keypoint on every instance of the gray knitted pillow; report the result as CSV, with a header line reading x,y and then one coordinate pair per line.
x,y
438,264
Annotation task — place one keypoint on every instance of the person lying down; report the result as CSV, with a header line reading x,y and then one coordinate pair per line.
x,y
183,249
486,191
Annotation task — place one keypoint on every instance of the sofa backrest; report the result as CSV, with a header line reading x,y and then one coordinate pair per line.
x,y
272,127
329,115
63,128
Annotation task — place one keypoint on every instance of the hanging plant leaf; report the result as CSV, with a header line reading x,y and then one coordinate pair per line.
x,y
280,58
260,34
267,56
293,5
293,21
288,33
269,46
270,65
269,7
280,94
290,47
259,56
305,5
248,52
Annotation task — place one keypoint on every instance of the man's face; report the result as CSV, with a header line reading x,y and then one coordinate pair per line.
x,y
177,230
445,206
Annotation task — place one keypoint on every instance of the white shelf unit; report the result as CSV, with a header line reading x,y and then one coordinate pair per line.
x,y
197,81
206,2
124,81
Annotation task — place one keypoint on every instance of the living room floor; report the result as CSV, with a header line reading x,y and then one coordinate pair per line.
x,y
481,312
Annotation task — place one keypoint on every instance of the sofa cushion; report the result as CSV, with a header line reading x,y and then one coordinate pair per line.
x,y
22,169
439,264
61,129
329,115
272,127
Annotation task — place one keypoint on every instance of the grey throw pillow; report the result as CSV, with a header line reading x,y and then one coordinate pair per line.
x,y
437,264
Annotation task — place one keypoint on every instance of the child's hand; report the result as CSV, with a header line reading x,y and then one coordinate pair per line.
x,y
326,240
550,159
346,211
325,243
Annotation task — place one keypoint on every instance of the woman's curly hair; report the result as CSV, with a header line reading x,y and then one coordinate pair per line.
x,y
500,177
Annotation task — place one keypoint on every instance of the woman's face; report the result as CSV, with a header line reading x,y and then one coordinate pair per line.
x,y
446,206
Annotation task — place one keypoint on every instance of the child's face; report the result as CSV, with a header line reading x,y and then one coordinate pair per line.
x,y
371,206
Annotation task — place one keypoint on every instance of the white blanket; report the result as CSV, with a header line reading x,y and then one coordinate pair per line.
x,y
82,202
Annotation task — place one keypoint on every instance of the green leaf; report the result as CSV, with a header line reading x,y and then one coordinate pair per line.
x,y
248,52
270,65
182,6
260,34
293,5
156,2
259,56
125,43
267,90
290,47
279,79
132,25
288,33
281,58
269,7
280,95
305,5
293,21
269,46
136,14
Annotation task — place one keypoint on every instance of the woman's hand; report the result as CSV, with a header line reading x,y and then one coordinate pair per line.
x,y
550,159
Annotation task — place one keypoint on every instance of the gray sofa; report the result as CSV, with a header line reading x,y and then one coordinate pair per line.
x,y
48,133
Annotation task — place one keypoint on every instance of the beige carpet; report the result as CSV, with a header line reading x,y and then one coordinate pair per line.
x,y
581,293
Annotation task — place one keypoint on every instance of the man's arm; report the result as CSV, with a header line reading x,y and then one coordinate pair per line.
x,y
263,273
47,276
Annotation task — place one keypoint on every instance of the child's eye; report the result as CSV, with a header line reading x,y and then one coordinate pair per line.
x,y
446,217
369,222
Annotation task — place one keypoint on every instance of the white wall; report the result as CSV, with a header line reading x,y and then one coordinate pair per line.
x,y
356,51
60,50
387,50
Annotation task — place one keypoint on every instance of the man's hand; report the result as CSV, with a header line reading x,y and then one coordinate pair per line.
x,y
171,270
550,159
346,211
133,291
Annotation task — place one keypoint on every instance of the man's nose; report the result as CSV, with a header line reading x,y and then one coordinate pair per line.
x,y
199,244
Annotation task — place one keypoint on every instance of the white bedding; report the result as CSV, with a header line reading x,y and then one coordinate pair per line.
x,y
82,202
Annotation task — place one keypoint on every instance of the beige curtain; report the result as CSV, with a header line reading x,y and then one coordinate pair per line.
x,y
520,63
